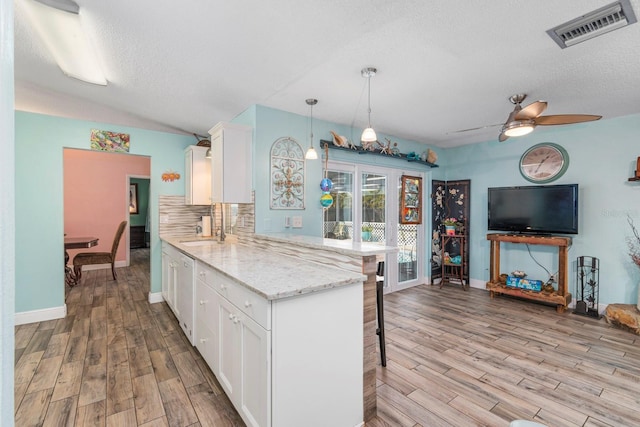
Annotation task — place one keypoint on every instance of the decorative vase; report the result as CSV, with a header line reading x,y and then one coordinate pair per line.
x,y
450,230
366,236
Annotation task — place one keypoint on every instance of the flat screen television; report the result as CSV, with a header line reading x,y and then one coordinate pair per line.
x,y
535,209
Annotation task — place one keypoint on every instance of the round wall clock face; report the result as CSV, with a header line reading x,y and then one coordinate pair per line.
x,y
544,163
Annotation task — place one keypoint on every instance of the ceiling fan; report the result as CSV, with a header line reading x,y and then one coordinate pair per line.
x,y
522,121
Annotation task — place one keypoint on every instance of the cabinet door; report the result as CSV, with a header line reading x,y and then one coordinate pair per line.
x,y
255,356
231,163
207,325
197,176
169,278
184,302
229,348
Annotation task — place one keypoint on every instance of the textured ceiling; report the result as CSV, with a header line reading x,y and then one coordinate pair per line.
x,y
443,66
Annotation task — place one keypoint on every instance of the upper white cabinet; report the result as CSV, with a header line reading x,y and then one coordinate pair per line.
x,y
231,163
197,181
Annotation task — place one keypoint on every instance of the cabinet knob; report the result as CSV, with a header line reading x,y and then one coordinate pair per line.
x,y
223,287
235,319
203,340
247,304
230,316
202,274
203,301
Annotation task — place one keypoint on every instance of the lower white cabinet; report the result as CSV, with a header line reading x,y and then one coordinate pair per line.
x,y
178,287
287,362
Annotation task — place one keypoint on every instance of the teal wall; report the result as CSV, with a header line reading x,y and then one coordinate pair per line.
x,y
274,124
143,201
602,157
39,232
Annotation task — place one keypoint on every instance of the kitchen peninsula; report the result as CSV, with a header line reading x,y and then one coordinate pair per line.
x,y
286,324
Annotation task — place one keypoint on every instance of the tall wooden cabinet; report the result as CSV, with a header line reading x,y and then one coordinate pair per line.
x,y
231,163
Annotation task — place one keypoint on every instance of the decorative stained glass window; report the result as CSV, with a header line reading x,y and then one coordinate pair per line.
x,y
287,174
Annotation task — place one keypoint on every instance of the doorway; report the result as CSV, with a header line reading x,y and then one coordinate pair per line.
x,y
365,209
97,196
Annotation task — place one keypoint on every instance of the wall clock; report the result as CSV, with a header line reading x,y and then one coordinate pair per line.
x,y
544,163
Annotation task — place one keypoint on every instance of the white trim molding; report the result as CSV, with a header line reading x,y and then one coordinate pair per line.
x,y
43,315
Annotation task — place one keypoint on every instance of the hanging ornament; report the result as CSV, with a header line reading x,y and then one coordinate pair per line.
x,y
326,200
326,185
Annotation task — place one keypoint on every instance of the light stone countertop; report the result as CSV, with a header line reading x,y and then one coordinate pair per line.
x,y
270,275
346,247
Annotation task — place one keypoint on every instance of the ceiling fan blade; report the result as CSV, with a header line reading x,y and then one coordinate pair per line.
x,y
470,129
565,119
503,137
531,111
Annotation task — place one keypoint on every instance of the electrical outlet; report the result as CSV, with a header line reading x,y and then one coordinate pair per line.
x,y
297,222
553,278
164,219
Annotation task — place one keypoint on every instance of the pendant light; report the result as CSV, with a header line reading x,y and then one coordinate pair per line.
x,y
311,152
369,135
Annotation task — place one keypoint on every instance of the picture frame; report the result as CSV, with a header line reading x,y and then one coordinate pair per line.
x,y
133,199
411,200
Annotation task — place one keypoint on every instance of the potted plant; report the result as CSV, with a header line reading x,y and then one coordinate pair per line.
x,y
366,232
450,225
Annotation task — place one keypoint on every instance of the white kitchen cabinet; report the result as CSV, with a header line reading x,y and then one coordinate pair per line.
x,y
184,295
177,287
197,170
241,359
231,163
169,274
286,362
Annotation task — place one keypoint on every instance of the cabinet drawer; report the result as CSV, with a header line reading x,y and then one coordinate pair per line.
x,y
250,303
206,304
207,344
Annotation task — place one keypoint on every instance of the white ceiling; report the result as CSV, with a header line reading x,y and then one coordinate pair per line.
x,y
182,66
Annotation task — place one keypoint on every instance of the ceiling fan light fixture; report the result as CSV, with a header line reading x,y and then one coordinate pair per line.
x,y
518,128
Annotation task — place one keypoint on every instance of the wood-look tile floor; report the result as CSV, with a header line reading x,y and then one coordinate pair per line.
x,y
114,360
455,358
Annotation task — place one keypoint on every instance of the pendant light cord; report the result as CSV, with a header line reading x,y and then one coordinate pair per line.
x,y
369,98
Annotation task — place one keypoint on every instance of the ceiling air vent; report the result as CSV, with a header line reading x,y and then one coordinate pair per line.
x,y
593,24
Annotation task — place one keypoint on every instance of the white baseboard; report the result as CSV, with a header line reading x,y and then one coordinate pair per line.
x,y
43,315
155,297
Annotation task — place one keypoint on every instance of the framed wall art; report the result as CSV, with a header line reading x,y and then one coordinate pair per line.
x,y
411,200
133,199
287,174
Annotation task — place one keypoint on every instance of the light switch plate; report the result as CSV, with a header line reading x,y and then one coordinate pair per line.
x,y
287,221
164,219
297,222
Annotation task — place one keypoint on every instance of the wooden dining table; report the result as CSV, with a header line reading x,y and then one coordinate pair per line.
x,y
75,243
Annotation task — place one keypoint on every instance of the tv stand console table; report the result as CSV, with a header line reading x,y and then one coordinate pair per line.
x,y
561,297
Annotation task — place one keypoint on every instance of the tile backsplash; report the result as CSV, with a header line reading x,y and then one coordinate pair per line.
x,y
183,218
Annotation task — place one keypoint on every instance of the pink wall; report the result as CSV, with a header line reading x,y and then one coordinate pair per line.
x,y
96,195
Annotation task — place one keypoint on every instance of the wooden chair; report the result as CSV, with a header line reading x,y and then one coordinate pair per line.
x,y
93,258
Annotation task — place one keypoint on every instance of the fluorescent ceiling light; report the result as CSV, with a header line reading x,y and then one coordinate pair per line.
x,y
58,24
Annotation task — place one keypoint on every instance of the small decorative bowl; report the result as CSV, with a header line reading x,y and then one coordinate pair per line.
x,y
519,274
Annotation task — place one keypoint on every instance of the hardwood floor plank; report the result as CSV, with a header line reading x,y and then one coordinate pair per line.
x,y
213,411
57,345
176,403
147,398
33,408
46,374
188,369
94,384
124,418
163,365
61,413
92,415
69,380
